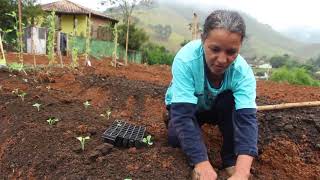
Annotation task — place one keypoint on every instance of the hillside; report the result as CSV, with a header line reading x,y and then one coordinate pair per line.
x,y
168,25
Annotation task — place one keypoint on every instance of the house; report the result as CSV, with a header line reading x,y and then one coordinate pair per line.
x,y
73,18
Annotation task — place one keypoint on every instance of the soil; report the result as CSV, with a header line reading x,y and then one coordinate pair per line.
x,y
289,141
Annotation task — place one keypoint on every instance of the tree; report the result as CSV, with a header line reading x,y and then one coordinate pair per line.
x,y
30,12
137,36
279,61
127,7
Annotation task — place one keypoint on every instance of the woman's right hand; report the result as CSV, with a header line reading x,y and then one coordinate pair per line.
x,y
204,171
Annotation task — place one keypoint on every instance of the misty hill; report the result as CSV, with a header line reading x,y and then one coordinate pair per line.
x,y
168,24
304,34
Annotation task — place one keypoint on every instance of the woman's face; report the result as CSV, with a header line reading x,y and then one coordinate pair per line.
x,y
221,49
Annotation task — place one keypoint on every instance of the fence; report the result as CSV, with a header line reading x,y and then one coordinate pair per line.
x,y
101,49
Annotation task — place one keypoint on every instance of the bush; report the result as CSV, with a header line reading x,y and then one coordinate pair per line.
x,y
298,76
155,54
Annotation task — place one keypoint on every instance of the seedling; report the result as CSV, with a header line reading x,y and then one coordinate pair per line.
x,y
48,87
22,95
127,179
106,114
86,104
82,141
15,91
37,105
52,121
147,140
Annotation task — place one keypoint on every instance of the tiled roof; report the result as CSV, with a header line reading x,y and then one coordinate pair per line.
x,y
68,7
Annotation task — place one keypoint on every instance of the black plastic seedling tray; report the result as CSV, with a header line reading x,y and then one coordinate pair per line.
x,y
123,134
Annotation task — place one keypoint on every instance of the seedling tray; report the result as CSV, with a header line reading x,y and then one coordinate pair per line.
x,y
124,134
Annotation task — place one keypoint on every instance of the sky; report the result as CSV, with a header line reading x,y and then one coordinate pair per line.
x,y
280,14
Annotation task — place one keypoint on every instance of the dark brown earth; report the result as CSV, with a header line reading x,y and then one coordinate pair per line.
x,y
289,141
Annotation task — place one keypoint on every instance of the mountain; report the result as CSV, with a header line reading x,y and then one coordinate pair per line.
x,y
303,34
168,24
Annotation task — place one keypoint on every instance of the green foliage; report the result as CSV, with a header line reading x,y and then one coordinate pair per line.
x,y
52,120
147,140
137,36
51,36
298,76
16,67
279,61
30,11
115,41
74,50
155,54
163,32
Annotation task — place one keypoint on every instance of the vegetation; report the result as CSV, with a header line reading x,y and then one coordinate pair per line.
x,y
51,36
147,140
82,141
155,54
295,75
30,12
52,120
137,36
37,105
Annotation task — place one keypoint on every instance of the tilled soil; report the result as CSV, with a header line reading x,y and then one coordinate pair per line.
x,y
289,141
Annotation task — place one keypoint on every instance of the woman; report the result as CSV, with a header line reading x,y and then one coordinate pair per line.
x,y
213,84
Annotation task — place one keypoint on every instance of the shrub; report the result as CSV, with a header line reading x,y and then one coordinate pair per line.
x,y
298,76
155,54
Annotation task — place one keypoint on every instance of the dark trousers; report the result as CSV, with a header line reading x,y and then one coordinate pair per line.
x,y
221,114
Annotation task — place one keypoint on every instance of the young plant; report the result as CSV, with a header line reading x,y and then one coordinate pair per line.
x,y
147,140
37,105
52,120
51,36
86,104
15,91
115,41
82,141
22,95
106,114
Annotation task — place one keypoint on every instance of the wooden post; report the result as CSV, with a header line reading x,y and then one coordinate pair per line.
x,y
127,42
32,47
2,51
195,27
20,31
58,47
87,60
288,105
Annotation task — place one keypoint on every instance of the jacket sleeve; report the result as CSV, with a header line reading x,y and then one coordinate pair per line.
x,y
183,120
246,132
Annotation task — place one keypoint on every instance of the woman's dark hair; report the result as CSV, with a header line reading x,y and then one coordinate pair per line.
x,y
224,19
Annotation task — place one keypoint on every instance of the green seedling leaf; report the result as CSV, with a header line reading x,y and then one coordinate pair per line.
x,y
37,105
108,113
15,91
52,121
82,141
147,140
22,95
86,104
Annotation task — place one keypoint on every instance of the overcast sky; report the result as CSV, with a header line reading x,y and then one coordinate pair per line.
x,y
280,14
